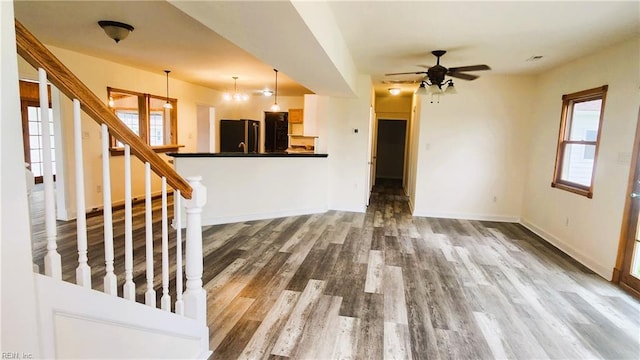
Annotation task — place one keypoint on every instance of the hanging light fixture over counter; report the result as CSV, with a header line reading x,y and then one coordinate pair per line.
x,y
236,95
167,104
275,107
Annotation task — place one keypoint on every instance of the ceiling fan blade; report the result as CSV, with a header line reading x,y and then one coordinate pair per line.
x,y
407,73
398,82
470,68
462,76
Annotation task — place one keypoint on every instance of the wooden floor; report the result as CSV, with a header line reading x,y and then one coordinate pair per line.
x,y
387,285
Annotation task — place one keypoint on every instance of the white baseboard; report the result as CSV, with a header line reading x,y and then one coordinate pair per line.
x,y
585,260
216,220
462,216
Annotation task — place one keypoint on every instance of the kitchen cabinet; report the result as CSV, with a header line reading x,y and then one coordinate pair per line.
x,y
296,116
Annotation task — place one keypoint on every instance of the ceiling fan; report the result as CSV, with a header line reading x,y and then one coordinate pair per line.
x,y
435,76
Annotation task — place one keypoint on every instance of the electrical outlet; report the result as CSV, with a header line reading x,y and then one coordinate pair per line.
x,y
566,222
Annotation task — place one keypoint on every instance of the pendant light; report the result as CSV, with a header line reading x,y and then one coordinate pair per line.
x,y
236,95
275,107
167,105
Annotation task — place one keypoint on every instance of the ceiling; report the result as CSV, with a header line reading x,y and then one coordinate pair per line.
x,y
382,37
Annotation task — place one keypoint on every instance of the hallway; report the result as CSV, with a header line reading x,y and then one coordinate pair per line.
x,y
387,285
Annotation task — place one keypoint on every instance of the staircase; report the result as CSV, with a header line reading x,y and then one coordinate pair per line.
x,y
80,321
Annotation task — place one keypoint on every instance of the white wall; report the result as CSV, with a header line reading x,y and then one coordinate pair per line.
x,y
472,150
18,303
348,168
253,188
593,229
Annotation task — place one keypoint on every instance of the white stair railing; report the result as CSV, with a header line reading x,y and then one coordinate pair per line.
x,y
191,303
83,271
52,260
129,289
178,226
165,301
110,278
195,298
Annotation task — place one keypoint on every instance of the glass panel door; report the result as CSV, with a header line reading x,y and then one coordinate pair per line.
x,y
34,156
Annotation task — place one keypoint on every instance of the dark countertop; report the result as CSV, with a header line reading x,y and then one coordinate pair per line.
x,y
239,154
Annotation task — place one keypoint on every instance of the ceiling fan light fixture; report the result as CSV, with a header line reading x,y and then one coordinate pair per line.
x,y
422,90
267,92
434,89
450,90
115,30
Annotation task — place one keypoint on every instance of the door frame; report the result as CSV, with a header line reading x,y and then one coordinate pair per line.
x,y
629,228
407,140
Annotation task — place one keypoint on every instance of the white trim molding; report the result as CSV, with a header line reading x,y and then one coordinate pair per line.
x,y
585,260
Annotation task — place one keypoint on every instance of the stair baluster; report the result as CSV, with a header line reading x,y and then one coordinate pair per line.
x,y
165,301
129,289
110,278
83,271
150,294
52,261
178,225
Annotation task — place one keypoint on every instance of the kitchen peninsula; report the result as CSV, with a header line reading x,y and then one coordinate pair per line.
x,y
253,186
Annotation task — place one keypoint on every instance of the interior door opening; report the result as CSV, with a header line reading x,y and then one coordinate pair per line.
x,y
390,150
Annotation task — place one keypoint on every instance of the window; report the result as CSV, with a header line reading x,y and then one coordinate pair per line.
x,y
32,129
146,116
580,125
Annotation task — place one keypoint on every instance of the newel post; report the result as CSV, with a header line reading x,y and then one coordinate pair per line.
x,y
195,297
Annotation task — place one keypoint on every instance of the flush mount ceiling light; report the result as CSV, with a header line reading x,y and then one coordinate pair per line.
x,y
167,104
236,95
267,92
275,107
115,30
394,91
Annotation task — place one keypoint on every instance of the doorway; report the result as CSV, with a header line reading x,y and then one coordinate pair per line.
x,y
627,271
390,149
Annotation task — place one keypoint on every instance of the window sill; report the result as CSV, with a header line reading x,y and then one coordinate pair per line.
x,y
574,188
117,151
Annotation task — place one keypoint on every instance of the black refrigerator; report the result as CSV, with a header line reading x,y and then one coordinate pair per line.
x,y
276,131
240,136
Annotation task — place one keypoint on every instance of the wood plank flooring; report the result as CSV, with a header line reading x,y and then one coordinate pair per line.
x,y
386,285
